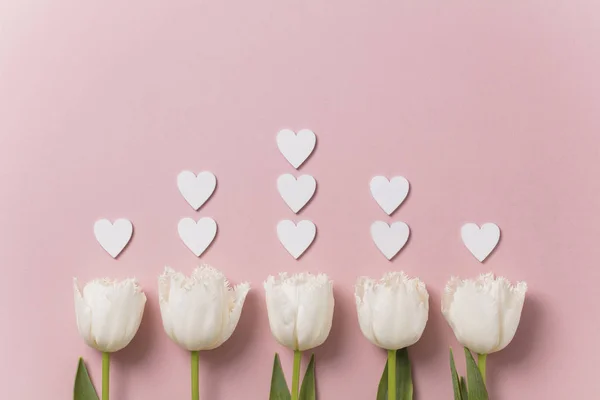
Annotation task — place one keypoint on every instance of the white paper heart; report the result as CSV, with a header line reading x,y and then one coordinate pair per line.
x,y
296,238
113,237
480,241
390,239
197,236
389,194
296,147
196,190
296,192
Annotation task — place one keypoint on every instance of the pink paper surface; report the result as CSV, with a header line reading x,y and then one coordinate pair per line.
x,y
490,109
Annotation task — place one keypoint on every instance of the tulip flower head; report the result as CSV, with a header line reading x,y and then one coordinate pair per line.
x,y
108,312
200,312
483,313
393,312
300,309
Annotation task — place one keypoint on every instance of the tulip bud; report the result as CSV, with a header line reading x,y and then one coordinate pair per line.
x,y
300,309
392,312
483,313
202,311
108,312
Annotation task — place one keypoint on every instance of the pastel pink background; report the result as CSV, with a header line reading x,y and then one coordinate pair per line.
x,y
490,109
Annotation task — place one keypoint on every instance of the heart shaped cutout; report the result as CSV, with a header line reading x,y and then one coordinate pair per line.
x,y
296,148
480,241
296,238
113,237
296,192
196,189
390,239
197,236
389,194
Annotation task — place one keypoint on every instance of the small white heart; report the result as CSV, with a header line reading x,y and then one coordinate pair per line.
x,y
390,239
197,236
296,147
113,237
296,238
480,241
389,194
196,190
296,192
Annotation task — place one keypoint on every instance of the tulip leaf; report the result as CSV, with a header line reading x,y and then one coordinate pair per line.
x,y
475,384
383,384
463,388
404,384
308,388
279,387
84,388
456,382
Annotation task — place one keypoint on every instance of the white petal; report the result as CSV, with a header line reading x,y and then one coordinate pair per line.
x,y
282,308
96,295
315,311
383,308
117,309
399,308
472,311
412,308
164,288
363,287
83,315
164,284
136,304
196,307
240,292
511,304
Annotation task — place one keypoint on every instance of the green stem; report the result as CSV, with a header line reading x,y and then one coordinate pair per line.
x,y
105,375
296,374
481,364
391,374
195,383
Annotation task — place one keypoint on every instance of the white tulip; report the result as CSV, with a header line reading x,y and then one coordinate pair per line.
x,y
483,313
108,312
200,312
300,309
393,312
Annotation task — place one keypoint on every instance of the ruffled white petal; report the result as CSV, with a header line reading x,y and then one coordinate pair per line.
x,y
282,308
84,316
363,287
234,313
394,311
483,313
300,309
512,298
315,312
197,310
110,312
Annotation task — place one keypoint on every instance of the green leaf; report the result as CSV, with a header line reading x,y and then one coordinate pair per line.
x,y
455,379
383,384
308,388
404,384
279,387
84,388
475,384
463,388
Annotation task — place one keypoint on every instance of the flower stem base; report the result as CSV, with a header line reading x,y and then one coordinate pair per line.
x,y
481,364
195,380
391,374
296,374
105,375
